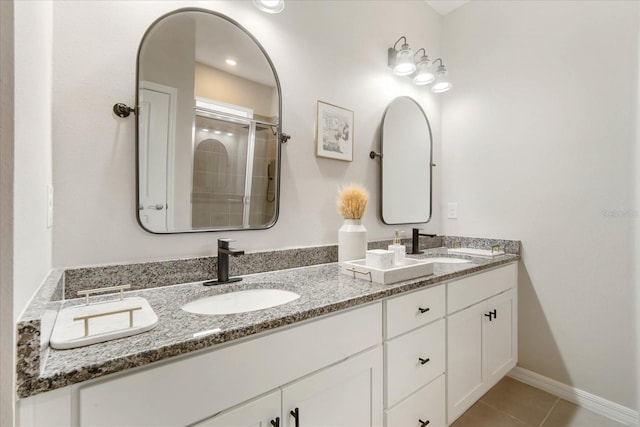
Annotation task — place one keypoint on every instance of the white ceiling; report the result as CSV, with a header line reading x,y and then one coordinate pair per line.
x,y
445,6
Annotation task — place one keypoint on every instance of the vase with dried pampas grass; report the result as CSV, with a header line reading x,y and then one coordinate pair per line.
x,y
352,236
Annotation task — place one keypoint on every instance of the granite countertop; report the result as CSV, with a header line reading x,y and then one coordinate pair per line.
x,y
322,288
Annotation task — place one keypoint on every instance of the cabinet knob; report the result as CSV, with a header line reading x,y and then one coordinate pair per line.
x,y
276,422
423,361
423,423
423,310
296,416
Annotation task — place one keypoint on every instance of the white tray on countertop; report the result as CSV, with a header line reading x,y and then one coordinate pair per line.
x,y
411,269
476,252
68,333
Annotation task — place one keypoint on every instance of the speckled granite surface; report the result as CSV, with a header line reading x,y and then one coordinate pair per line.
x,y
164,273
509,246
322,288
149,275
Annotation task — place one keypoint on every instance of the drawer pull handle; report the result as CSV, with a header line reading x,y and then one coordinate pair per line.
x,y
423,310
423,361
492,315
495,313
423,423
276,422
296,416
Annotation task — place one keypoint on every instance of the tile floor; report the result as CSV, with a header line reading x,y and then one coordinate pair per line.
x,y
511,403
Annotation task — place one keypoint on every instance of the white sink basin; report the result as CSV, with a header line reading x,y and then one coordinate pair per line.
x,y
445,260
476,252
241,301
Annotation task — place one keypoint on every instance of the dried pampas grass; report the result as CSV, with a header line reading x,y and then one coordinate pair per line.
x,y
352,201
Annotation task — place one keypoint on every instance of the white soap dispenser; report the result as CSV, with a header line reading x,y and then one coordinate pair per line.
x,y
398,249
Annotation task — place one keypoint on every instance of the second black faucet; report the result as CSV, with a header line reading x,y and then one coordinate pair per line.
x,y
415,240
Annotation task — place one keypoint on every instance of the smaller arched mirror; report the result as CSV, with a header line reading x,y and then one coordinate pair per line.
x,y
208,126
406,163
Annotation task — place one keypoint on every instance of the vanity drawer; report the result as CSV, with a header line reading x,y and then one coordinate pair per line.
x,y
412,310
404,371
466,292
427,404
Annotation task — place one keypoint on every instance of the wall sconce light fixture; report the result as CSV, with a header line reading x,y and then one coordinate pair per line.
x,y
419,67
402,59
269,6
423,75
442,83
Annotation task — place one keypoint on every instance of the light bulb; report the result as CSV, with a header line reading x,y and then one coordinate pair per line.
x,y
424,75
269,6
442,82
404,62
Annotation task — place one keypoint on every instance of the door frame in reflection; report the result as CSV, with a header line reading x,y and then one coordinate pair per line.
x,y
156,142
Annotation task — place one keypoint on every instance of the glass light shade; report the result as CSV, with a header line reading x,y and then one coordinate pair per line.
x,y
269,6
424,75
404,62
442,83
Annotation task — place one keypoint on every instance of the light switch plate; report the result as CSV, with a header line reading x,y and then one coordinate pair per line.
x,y
452,210
49,205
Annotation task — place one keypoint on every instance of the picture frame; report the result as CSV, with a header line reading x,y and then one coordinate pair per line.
x,y
334,132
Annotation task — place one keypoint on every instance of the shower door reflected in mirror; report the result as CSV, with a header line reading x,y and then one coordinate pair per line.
x,y
208,126
232,177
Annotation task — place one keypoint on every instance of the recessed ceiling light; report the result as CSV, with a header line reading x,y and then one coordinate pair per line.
x,y
231,61
229,134
269,6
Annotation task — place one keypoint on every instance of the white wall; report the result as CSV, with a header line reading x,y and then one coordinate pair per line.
x,y
332,51
7,339
538,144
32,164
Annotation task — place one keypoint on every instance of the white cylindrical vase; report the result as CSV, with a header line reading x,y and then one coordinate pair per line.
x,y
352,240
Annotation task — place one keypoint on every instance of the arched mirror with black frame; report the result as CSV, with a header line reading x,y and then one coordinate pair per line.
x,y
208,126
406,156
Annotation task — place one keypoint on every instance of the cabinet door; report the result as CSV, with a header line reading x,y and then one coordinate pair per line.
x,y
464,356
258,412
348,394
500,337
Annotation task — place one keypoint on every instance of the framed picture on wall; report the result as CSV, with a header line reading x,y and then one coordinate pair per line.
x,y
334,132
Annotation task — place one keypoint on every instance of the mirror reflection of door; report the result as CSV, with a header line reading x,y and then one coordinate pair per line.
x,y
157,107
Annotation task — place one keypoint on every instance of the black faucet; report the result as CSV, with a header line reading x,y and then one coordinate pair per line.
x,y
415,240
223,263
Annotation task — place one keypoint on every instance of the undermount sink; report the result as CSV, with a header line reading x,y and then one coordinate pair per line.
x,y
240,301
445,260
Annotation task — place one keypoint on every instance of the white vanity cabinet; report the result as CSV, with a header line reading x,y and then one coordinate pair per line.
x,y
347,394
318,358
482,341
415,358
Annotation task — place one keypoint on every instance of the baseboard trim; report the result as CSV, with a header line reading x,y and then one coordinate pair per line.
x,y
581,398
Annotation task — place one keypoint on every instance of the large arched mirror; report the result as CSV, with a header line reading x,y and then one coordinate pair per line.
x,y
208,126
406,163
